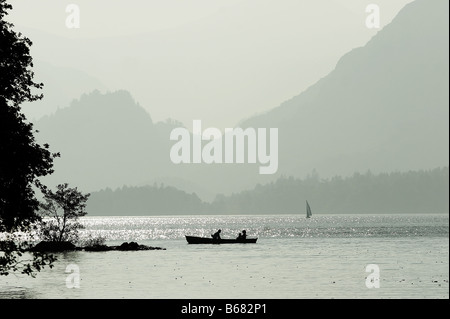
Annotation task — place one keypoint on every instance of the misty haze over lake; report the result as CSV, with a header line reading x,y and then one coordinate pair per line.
x,y
382,109
141,100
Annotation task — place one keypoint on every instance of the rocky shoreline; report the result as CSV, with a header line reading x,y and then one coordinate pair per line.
x,y
47,246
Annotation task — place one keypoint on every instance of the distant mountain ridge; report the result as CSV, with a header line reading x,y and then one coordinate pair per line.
x,y
61,86
107,140
103,140
386,103
383,108
194,68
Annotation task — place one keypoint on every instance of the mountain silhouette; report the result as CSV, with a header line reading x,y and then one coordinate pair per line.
x,y
104,140
231,59
61,86
384,107
109,140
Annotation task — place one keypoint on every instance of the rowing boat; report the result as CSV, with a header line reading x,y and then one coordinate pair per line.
x,y
205,240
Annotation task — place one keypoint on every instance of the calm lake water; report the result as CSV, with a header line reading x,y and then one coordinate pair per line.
x,y
322,257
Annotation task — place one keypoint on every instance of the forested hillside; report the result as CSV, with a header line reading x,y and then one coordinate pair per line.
x,y
407,192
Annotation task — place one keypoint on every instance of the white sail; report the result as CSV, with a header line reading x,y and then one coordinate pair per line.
x,y
308,210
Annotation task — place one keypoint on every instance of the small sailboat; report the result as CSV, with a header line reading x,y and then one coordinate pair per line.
x,y
308,210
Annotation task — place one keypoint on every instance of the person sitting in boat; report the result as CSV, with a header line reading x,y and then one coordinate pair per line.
x,y
243,235
216,235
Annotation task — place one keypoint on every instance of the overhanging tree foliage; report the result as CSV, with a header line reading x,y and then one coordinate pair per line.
x,y
22,160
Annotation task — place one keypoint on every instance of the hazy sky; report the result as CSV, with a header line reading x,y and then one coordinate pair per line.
x,y
122,17
215,60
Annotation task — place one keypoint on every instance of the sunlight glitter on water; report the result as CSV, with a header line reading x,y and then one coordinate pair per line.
x,y
295,257
285,226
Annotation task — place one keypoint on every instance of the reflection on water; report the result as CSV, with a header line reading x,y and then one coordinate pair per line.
x,y
295,257
286,226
